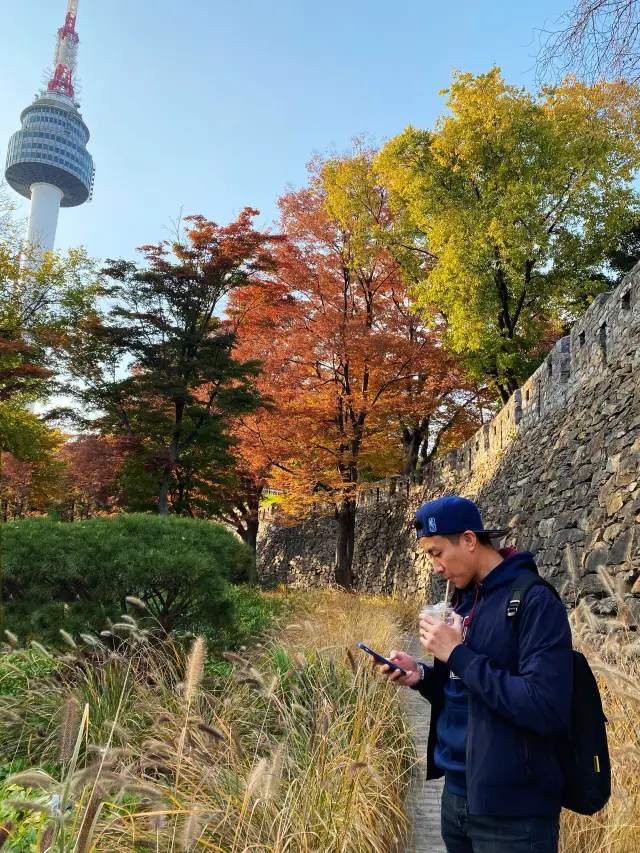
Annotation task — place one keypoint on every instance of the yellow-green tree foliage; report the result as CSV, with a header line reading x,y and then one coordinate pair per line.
x,y
514,199
44,301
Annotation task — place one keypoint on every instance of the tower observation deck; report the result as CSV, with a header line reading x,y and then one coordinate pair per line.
x,y
47,160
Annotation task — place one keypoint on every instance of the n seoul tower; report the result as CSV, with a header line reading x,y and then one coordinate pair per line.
x,y
47,160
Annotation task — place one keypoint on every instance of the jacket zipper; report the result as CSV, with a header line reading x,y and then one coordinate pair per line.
x,y
527,767
469,721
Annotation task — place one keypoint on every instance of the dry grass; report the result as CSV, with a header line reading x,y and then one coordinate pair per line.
x,y
303,749
614,654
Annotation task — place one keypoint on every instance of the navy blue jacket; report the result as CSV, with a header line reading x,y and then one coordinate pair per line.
x,y
519,684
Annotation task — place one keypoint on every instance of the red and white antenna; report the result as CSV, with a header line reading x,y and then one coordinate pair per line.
x,y
66,56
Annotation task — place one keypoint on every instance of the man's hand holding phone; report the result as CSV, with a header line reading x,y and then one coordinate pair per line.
x,y
406,662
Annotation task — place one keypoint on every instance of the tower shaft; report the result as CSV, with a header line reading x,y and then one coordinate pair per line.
x,y
43,216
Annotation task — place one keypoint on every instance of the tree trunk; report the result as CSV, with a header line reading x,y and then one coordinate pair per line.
x,y
346,517
248,524
163,497
412,441
508,386
250,536
248,531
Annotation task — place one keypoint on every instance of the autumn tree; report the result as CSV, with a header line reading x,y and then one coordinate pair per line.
x,y
595,39
261,315
160,369
91,465
31,477
350,359
515,200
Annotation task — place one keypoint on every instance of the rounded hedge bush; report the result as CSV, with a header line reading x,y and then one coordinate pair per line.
x,y
76,576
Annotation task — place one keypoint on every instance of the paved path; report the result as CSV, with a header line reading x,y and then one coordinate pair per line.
x,y
423,801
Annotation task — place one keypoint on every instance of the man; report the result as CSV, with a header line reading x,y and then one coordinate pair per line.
x,y
500,694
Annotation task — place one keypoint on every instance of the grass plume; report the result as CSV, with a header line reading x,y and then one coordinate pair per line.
x,y
256,764
195,668
615,659
68,729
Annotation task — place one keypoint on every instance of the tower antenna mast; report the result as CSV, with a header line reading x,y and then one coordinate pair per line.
x,y
66,56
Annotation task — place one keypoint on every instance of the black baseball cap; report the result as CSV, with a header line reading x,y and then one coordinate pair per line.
x,y
451,514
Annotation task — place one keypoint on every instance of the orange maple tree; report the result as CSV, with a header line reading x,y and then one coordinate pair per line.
x,y
75,477
346,363
259,316
91,465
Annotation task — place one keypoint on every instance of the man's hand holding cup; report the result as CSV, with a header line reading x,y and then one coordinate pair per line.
x,y
440,638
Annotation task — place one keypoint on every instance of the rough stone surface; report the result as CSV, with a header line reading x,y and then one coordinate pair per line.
x,y
560,464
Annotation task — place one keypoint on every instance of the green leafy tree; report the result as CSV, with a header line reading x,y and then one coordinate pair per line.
x,y
625,254
43,299
514,200
76,576
160,368
42,304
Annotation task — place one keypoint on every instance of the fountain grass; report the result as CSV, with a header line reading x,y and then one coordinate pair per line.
x,y
301,747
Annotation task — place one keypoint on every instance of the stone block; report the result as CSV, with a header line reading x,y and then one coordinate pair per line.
x,y
606,606
584,473
626,478
614,502
612,532
630,612
545,527
621,549
596,559
613,463
572,534
629,462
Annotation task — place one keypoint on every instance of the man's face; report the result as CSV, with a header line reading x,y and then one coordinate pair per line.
x,y
457,563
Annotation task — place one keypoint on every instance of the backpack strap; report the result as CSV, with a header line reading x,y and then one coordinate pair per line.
x,y
520,588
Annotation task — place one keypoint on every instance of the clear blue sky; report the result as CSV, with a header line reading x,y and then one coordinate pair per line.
x,y
211,106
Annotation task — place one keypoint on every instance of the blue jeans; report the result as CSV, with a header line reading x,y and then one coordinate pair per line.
x,y
465,833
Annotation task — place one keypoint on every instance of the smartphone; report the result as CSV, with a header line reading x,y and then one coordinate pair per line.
x,y
379,658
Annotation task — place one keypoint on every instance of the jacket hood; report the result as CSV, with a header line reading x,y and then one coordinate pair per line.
x,y
509,569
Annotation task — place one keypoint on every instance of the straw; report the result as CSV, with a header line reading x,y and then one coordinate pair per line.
x,y
446,602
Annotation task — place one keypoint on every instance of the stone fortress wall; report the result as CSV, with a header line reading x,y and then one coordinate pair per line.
x,y
560,464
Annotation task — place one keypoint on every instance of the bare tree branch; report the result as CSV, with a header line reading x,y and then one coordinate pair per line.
x,y
596,39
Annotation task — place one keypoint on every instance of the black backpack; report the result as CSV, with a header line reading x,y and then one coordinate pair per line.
x,y
584,752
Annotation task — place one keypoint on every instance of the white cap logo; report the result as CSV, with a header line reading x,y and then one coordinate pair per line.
x,y
432,525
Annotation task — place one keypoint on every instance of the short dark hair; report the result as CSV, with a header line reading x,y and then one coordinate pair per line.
x,y
483,538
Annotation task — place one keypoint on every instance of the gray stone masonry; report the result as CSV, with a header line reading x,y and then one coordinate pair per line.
x,y
560,464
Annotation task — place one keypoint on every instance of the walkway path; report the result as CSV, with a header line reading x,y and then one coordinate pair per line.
x,y
423,802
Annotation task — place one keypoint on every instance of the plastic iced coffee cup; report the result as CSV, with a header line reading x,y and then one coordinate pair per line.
x,y
436,610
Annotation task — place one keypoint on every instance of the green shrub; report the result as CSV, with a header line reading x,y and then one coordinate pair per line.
x,y
18,668
253,612
77,576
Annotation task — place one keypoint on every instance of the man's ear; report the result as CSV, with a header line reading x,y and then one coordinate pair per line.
x,y
470,540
